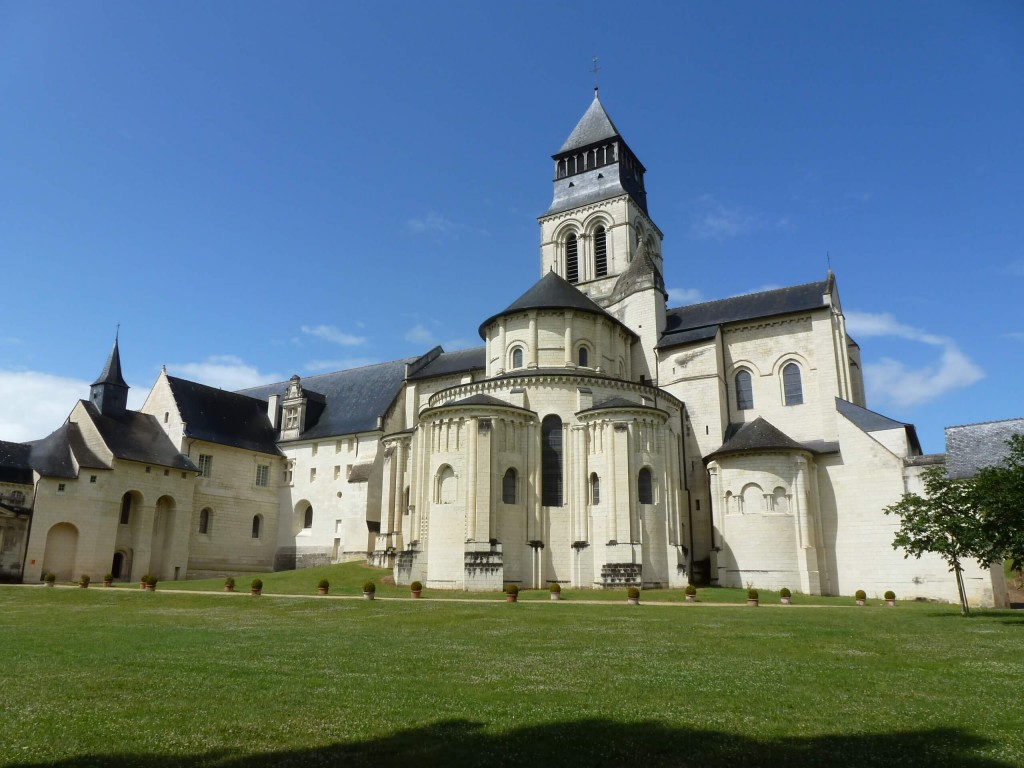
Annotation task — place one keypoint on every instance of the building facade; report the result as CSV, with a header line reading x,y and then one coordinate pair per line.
x,y
596,438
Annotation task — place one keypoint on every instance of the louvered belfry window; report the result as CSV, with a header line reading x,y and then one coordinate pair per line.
x,y
551,461
572,262
600,252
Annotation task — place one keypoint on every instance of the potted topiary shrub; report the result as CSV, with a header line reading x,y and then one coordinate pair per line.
x,y
633,596
229,584
50,579
369,590
556,590
860,596
108,579
83,581
151,583
785,595
691,593
322,586
256,587
752,597
143,581
416,589
511,593
890,598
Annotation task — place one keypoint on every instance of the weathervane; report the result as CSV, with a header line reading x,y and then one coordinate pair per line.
x,y
595,69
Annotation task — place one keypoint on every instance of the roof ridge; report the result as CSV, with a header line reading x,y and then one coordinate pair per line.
x,y
212,388
979,423
741,295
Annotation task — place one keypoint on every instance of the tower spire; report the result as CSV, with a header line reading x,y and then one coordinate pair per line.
x,y
109,393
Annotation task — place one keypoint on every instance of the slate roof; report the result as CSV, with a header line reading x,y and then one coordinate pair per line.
x,y
14,463
225,418
111,373
135,436
869,421
361,473
758,435
447,363
355,399
481,399
594,126
552,292
969,447
618,402
781,301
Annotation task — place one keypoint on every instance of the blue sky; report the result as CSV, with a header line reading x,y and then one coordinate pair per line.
x,y
254,189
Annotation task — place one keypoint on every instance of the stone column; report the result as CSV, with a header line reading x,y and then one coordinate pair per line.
x,y
807,553
471,480
533,339
570,360
501,346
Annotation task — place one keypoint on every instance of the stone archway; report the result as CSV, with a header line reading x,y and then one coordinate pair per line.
x,y
60,552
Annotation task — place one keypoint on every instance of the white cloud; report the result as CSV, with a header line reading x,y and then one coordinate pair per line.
x,y
684,296
33,404
334,335
419,334
714,220
892,381
223,371
453,345
341,364
432,222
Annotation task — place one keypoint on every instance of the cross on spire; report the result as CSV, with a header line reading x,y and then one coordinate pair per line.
x,y
595,69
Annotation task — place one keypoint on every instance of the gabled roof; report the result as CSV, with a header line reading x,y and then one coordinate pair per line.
x,y
136,436
970,447
758,435
594,126
869,421
225,418
552,292
355,399
781,301
111,373
447,363
14,463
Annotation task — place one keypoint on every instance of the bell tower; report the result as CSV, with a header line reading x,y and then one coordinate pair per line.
x,y
109,393
598,219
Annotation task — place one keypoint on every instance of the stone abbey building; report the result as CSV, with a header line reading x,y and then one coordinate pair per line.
x,y
596,438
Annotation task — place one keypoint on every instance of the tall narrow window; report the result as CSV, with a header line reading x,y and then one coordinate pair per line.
x,y
583,357
595,489
600,252
572,263
126,509
744,391
262,474
517,357
205,465
551,461
508,487
204,521
307,519
794,391
256,520
644,487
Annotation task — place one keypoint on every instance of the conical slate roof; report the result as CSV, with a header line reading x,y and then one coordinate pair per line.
x,y
594,126
550,292
112,370
758,435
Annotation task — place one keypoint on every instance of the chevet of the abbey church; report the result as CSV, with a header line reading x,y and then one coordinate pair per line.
x,y
596,438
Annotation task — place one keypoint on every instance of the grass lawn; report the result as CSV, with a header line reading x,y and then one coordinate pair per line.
x,y
121,677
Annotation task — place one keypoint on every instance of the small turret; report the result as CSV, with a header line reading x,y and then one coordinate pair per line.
x,y
109,393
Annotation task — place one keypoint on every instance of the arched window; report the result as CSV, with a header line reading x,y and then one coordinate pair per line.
x,y
445,492
645,487
508,486
126,508
595,489
307,519
583,357
204,520
780,502
517,357
600,252
551,461
792,387
572,263
257,521
753,498
744,391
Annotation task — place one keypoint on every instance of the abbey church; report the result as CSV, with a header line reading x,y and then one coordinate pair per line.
x,y
596,438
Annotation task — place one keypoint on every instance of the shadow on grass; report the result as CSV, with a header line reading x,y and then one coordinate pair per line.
x,y
593,743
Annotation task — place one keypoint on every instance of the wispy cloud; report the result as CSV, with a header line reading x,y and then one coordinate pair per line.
x,y
33,404
453,345
684,296
419,334
434,223
715,220
341,364
891,380
223,371
334,335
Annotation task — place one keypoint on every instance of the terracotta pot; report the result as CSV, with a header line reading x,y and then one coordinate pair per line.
x,y
254,591
228,588
691,598
151,587
321,590
416,595
107,583
511,598
753,603
142,585
83,585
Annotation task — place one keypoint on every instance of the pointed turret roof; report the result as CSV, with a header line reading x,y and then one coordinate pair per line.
x,y
552,292
758,435
594,126
112,370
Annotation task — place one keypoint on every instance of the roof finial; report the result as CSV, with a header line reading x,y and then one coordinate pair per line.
x,y
595,69
117,333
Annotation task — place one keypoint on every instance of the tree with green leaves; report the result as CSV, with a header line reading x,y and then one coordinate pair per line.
x,y
946,521
1000,493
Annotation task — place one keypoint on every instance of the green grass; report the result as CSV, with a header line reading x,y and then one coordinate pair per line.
x,y
123,677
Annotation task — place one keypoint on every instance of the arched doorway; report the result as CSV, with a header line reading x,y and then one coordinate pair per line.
x,y
59,554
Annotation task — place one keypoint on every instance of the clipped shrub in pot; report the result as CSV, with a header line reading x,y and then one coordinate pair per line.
x,y
256,587
556,590
633,596
369,590
890,598
860,596
511,593
416,589
691,593
785,595
322,586
753,598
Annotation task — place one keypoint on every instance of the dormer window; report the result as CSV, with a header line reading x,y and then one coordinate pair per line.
x,y
291,418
